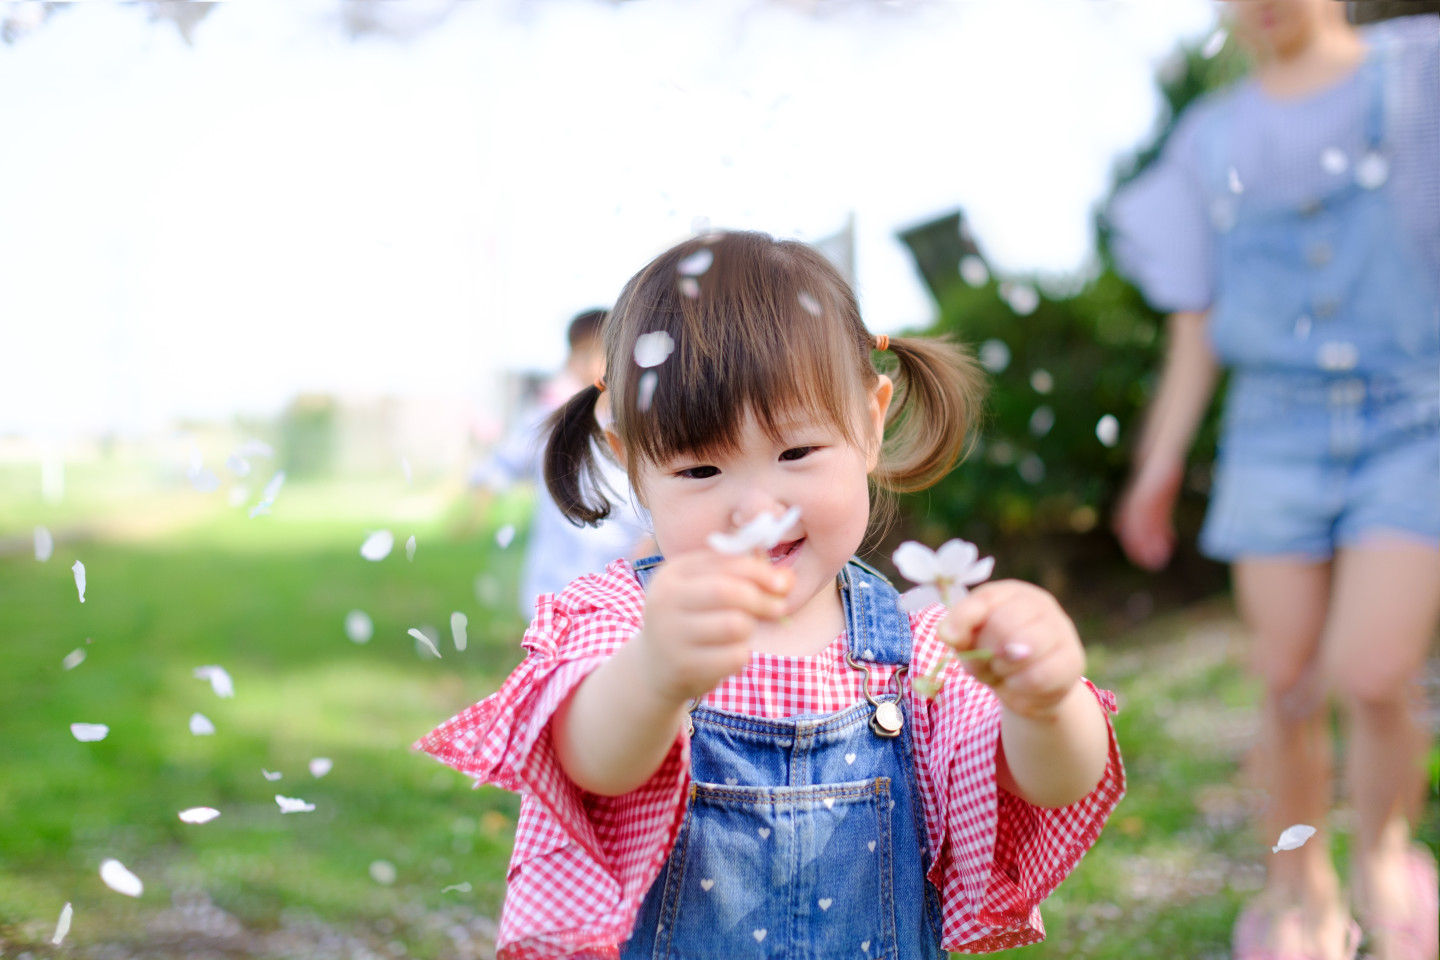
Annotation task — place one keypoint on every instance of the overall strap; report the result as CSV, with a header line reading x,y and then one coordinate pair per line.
x,y
645,569
877,630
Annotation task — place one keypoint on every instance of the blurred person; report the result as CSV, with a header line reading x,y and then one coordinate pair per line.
x,y
719,753
1292,227
558,551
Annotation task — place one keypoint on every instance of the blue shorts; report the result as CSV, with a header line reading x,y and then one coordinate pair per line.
x,y
1306,466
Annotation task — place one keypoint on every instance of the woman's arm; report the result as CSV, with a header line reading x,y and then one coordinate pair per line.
x,y
1187,380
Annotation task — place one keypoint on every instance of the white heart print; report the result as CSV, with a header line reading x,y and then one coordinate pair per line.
x,y
731,781
764,832
849,758
706,884
829,803
825,903
865,946
871,845
759,935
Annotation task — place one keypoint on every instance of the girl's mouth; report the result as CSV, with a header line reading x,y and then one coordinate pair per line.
x,y
783,554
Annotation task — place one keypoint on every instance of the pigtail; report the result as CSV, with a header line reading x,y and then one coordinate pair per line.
x,y
572,474
939,390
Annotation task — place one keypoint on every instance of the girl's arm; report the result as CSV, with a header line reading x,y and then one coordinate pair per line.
x,y
1054,741
701,609
1187,380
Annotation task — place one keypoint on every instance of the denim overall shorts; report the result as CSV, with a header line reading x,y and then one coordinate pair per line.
x,y
803,838
1330,320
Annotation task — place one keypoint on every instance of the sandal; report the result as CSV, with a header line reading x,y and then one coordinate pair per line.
x,y
1253,927
1418,937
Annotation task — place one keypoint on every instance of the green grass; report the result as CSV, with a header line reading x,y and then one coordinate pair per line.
x,y
267,600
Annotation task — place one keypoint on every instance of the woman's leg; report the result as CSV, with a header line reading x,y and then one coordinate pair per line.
x,y
1284,602
1386,606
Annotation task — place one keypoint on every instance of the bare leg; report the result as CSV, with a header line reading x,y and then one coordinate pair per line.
x,y
1386,605
1283,601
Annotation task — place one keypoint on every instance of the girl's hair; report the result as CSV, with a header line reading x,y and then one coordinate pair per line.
x,y
759,325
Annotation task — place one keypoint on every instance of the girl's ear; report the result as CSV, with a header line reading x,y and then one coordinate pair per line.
x,y
880,397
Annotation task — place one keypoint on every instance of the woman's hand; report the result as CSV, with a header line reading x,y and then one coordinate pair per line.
x,y
1144,518
701,609
1037,657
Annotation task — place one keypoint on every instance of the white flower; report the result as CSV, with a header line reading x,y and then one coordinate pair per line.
x,y
62,927
956,563
89,732
1293,838
653,349
762,533
458,622
421,638
270,776
410,548
200,725
119,879
358,626
79,570
695,265
320,766
293,804
44,544
199,814
219,679
378,545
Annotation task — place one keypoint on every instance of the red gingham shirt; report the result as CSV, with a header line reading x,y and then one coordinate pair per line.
x,y
583,862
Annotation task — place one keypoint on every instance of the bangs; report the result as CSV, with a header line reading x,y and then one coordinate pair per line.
x,y
758,327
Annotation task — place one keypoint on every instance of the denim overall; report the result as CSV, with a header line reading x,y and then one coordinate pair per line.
x,y
804,837
1331,321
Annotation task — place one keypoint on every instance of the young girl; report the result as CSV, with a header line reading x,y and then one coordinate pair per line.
x,y
708,747
1293,224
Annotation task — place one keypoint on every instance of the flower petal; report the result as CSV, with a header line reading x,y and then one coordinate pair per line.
x,y
761,533
653,348
916,562
458,622
44,544
410,548
918,598
89,732
62,926
358,626
504,535
955,557
1292,838
378,545
293,804
219,679
119,879
320,766
200,725
79,571
421,638
199,814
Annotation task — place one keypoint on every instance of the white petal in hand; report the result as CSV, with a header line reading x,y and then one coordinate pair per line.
x,y
761,533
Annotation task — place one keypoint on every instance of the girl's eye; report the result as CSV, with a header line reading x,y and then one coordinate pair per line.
x,y
697,473
797,453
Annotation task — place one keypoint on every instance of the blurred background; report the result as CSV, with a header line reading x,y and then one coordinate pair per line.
x,y
275,277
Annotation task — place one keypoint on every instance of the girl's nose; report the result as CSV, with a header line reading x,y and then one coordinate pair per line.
x,y
743,515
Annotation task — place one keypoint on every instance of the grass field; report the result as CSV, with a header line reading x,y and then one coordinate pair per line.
x,y
267,599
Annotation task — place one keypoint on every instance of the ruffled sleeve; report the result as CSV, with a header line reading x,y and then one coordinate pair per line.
x,y
582,862
1161,234
996,856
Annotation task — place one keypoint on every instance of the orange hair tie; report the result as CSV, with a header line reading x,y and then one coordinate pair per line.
x,y
882,342
600,384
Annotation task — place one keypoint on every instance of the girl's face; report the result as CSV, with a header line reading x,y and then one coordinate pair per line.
x,y
811,466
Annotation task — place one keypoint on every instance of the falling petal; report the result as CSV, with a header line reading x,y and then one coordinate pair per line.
x,y
259,509
79,570
690,287
505,535
238,465
89,732
463,887
1215,43
44,544
378,545
994,355
653,349
255,448
382,872
1292,838
270,776
973,271
358,626
320,766
809,304
696,264
62,926
918,598
293,804
458,622
119,879
1236,187
200,725
1333,161
219,679
1107,430
645,395
763,532
272,489
410,548
199,814
420,638
73,659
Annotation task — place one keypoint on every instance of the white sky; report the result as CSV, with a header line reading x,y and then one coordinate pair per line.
x,y
210,230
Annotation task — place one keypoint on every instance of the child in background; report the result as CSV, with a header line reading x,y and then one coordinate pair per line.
x,y
708,748
1293,226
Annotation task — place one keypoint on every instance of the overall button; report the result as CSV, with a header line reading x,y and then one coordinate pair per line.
x,y
887,720
1336,355
1372,170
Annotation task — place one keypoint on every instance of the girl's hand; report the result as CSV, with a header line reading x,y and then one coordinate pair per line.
x,y
1037,655
1143,521
701,609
